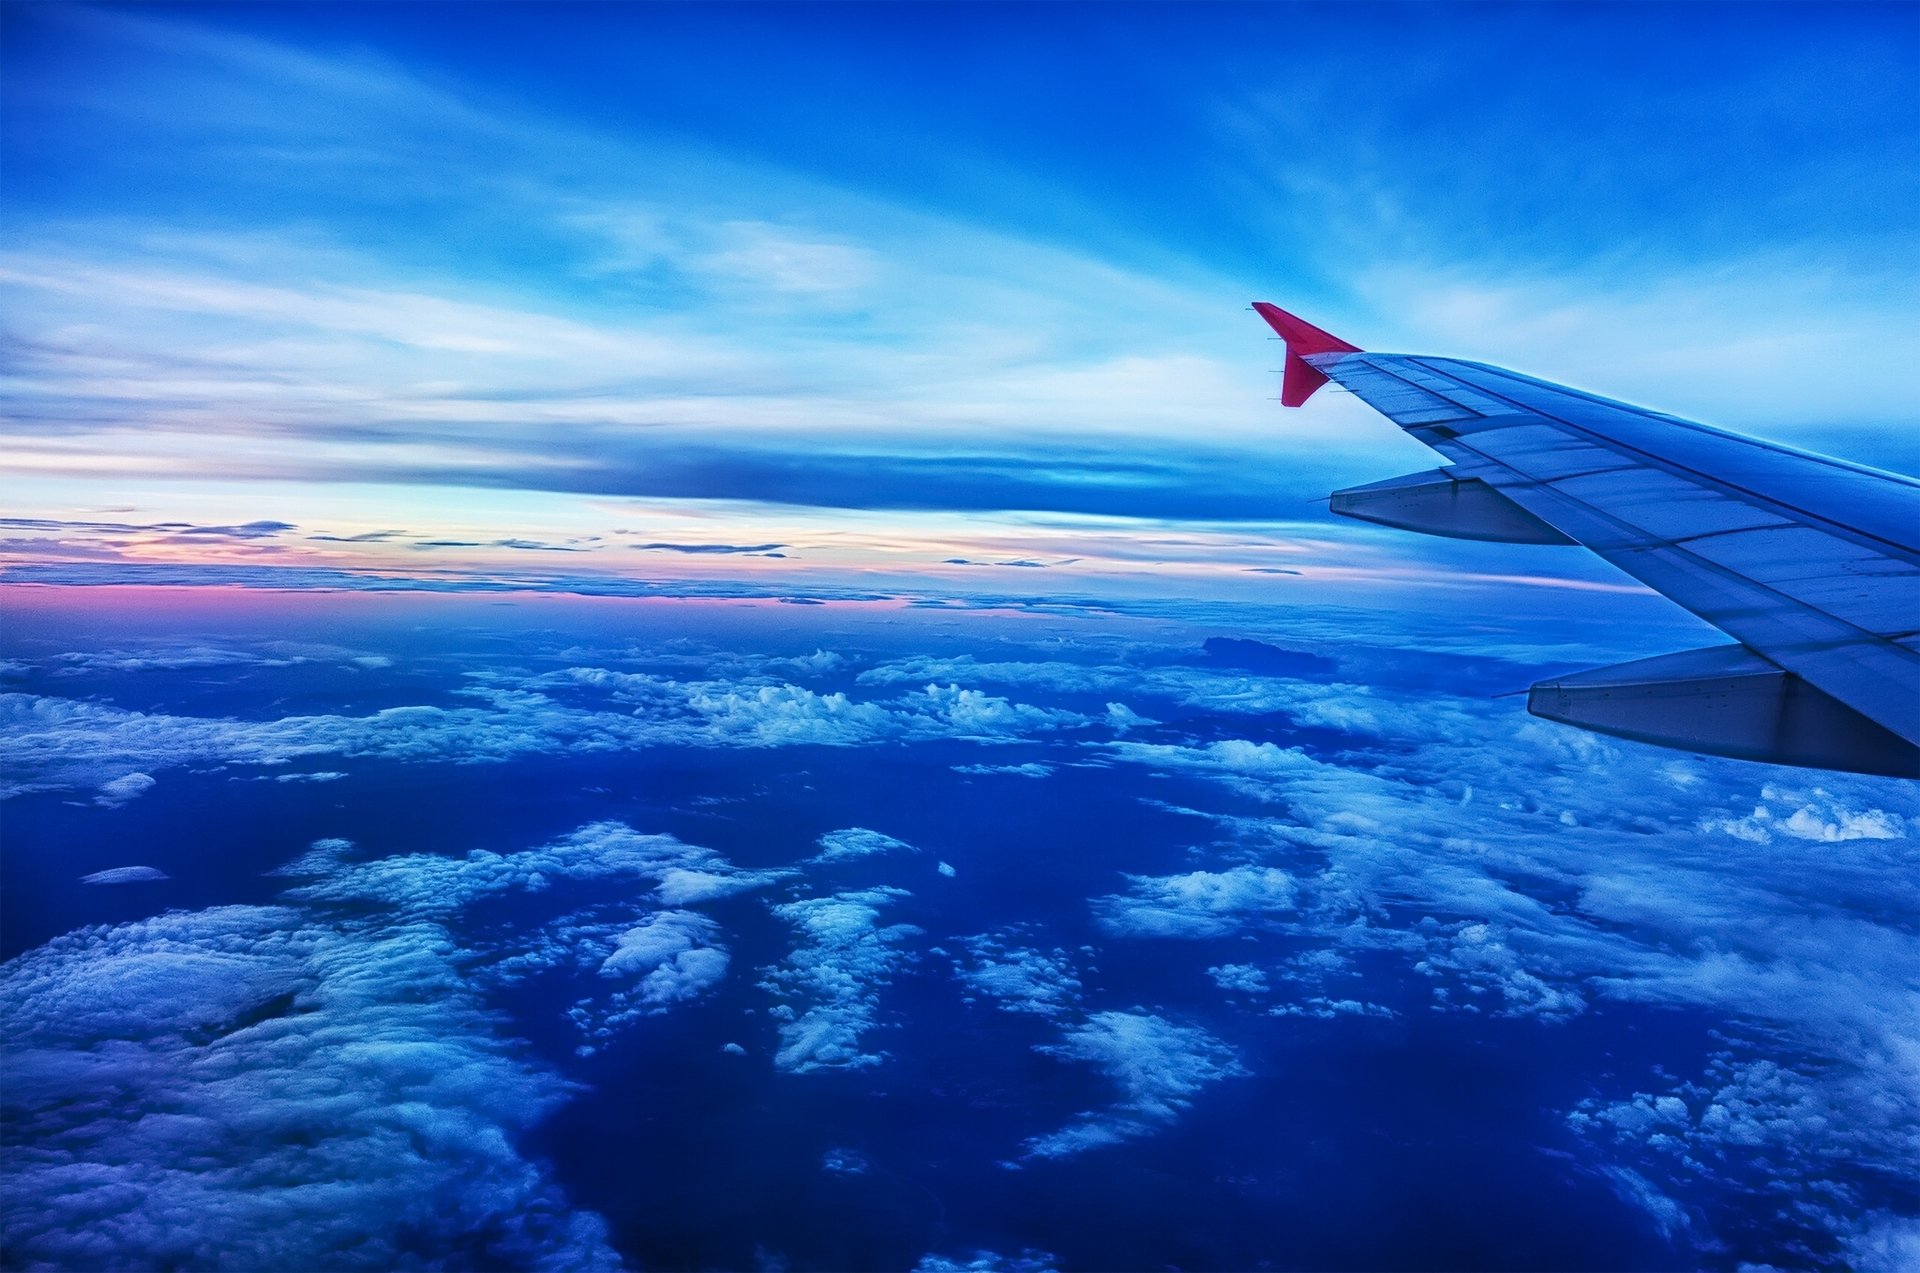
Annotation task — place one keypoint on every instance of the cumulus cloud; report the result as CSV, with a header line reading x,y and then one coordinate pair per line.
x,y
1029,769
1747,1122
829,987
1245,979
319,1083
1477,962
49,743
670,958
263,1087
1158,1067
429,884
856,842
1019,978
118,791
1523,869
1199,904
659,943
1326,1009
1808,815
685,886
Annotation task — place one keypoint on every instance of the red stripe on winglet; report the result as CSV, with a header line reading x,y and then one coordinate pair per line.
x,y
1302,338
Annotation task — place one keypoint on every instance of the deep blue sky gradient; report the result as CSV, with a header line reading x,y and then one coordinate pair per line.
x,y
669,251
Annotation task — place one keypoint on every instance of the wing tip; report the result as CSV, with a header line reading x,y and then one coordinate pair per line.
x,y
1303,339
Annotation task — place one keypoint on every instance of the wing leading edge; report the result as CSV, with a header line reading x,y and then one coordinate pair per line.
x,y
1810,564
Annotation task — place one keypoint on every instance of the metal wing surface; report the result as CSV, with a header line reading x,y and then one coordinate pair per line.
x,y
1811,564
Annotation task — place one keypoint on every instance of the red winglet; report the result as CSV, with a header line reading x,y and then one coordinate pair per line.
x,y
1302,338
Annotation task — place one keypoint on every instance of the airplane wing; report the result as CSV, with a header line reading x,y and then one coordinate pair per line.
x,y
1810,564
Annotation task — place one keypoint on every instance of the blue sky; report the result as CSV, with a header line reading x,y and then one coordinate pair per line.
x,y
889,289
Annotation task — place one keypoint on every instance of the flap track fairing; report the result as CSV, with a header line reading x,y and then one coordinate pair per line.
x,y
1726,701
1437,502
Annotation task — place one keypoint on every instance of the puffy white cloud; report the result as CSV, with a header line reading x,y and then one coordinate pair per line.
x,y
669,958
319,1084
429,884
263,1087
1803,815
1325,1009
1058,676
48,743
684,886
1477,962
1245,979
1157,1065
117,791
1526,869
664,935
783,715
829,986
1030,769
1747,1124
675,956
1198,904
1019,978
856,842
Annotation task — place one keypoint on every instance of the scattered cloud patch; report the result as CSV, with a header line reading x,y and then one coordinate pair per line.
x,y
829,987
1326,1009
175,659
1018,978
1477,967
1198,904
673,953
51,743
1669,1217
1158,1067
271,1087
1029,1260
322,857
670,958
854,843
1746,1123
1814,815
1244,979
118,791
126,875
